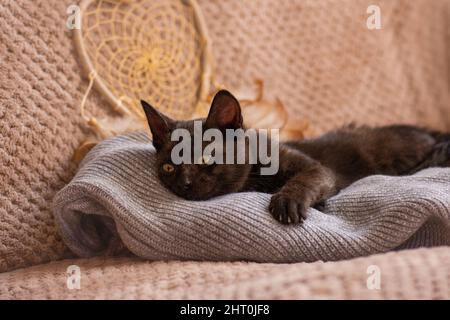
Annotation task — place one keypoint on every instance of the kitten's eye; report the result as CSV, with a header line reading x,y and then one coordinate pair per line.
x,y
168,168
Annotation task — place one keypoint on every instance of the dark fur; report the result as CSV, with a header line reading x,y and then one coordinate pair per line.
x,y
310,170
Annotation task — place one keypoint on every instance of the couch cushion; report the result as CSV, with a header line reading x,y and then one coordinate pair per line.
x,y
411,274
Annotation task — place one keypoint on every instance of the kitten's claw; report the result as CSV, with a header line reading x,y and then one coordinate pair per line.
x,y
287,210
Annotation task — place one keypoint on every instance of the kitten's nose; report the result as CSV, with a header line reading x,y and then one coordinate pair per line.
x,y
187,183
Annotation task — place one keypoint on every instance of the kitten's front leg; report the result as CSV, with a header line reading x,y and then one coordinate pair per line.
x,y
311,185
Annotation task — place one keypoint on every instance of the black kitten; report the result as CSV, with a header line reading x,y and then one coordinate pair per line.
x,y
310,171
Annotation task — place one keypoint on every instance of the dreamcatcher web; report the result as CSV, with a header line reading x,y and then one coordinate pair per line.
x,y
145,49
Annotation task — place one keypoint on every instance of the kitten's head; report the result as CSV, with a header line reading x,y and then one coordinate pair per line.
x,y
198,181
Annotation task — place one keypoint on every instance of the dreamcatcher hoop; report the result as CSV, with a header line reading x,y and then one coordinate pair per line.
x,y
121,101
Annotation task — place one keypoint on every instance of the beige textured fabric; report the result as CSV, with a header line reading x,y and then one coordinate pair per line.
x,y
319,57
316,55
411,274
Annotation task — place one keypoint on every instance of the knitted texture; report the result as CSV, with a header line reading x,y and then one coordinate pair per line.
x,y
410,274
317,56
118,180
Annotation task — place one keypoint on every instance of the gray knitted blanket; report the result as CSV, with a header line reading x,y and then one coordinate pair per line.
x,y
116,194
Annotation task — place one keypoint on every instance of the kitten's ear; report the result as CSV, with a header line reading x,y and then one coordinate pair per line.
x,y
225,112
160,125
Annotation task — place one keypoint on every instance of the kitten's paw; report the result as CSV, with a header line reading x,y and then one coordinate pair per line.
x,y
286,209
